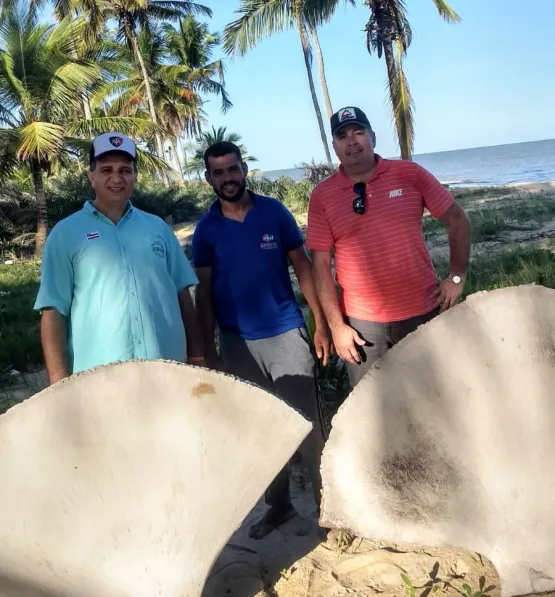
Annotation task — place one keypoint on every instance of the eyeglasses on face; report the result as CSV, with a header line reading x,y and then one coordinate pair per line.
x,y
359,202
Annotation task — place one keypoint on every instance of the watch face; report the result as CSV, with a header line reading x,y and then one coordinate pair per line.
x,y
457,279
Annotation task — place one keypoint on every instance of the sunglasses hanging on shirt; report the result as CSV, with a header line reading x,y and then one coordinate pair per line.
x,y
359,202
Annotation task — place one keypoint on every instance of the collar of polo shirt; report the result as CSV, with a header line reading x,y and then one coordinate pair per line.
x,y
347,183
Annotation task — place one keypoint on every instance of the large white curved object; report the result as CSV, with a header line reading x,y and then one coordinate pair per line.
x,y
450,439
127,481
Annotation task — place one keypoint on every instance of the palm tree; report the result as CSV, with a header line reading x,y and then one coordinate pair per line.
x,y
217,136
192,45
41,86
133,15
262,18
389,34
177,103
195,164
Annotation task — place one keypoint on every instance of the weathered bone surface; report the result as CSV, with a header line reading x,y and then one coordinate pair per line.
x,y
127,481
450,439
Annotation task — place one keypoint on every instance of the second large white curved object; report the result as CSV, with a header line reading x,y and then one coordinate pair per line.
x,y
450,439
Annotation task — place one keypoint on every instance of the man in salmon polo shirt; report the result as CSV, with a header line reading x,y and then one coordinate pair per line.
x,y
370,214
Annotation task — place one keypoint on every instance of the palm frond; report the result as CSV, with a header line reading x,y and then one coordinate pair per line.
x,y
152,165
6,116
128,125
319,12
40,140
13,89
388,24
71,81
184,7
446,12
403,106
258,19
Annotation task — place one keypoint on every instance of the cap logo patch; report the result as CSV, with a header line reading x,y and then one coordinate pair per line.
x,y
116,141
346,114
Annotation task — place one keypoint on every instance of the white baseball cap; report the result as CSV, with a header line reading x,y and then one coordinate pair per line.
x,y
110,142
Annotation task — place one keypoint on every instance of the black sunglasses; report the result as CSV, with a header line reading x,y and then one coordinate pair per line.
x,y
359,202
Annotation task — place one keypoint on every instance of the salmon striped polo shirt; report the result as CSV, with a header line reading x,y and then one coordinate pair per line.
x,y
383,266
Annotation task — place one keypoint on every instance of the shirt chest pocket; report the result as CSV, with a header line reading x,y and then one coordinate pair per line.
x,y
150,250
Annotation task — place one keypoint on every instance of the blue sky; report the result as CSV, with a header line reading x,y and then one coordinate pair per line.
x,y
487,81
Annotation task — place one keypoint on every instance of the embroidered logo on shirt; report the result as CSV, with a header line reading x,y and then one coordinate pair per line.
x,y
93,235
396,193
158,248
268,242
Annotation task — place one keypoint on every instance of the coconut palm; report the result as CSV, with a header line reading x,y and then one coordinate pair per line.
x,y
261,18
389,34
177,103
217,136
192,46
134,15
41,86
195,163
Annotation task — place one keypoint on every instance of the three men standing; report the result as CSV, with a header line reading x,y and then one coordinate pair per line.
x,y
370,214
241,250
115,280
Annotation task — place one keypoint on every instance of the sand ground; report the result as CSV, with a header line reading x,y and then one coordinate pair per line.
x,y
296,561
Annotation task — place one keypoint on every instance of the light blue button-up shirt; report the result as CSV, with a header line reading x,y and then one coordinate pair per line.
x,y
117,284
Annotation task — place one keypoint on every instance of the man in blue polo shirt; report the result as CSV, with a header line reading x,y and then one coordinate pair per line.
x,y
115,281
241,250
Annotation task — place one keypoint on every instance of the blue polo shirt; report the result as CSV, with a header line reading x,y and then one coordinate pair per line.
x,y
117,284
252,292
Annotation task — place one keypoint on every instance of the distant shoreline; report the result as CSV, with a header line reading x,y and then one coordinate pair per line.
x,y
531,187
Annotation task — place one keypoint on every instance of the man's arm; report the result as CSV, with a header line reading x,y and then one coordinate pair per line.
x,y
205,310
345,338
53,330
303,270
458,227
195,344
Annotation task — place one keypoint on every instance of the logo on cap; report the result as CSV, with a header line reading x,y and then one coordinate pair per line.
x,y
346,114
116,141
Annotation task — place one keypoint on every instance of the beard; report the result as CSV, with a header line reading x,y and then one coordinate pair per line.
x,y
236,193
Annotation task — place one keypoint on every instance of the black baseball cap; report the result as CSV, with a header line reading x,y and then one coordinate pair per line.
x,y
348,116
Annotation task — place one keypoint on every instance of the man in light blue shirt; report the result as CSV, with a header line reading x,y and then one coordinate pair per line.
x,y
115,281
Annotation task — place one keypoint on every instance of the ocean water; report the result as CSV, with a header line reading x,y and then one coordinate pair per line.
x,y
497,165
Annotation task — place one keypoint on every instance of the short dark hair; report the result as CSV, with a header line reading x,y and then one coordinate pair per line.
x,y
219,149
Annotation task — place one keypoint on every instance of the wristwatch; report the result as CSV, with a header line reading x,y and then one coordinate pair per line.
x,y
455,279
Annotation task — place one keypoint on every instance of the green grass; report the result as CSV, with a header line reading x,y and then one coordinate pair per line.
x,y
19,325
509,267
496,221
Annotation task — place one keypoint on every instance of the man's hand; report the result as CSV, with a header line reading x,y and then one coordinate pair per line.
x,y
219,365
346,340
447,294
322,343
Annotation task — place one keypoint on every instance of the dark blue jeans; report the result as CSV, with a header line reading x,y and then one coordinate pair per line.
x,y
380,337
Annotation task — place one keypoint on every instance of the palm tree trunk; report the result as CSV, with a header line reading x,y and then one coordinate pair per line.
x,y
175,156
322,71
391,78
306,53
148,89
184,152
42,216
